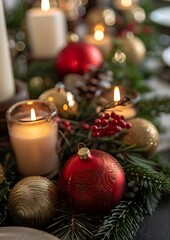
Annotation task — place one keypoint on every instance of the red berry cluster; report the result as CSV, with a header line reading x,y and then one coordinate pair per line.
x,y
64,124
109,125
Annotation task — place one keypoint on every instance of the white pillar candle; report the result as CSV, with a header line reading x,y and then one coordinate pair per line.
x,y
47,31
7,86
33,134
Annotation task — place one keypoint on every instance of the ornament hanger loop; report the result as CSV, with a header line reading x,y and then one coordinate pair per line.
x,y
81,145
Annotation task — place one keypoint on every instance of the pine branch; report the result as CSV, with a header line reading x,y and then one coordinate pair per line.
x,y
3,212
145,175
150,199
163,164
123,222
67,224
4,190
154,106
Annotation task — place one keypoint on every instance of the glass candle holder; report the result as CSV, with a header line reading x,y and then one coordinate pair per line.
x,y
129,110
33,133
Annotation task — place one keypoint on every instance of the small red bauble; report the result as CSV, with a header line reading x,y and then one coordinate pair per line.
x,y
77,57
92,181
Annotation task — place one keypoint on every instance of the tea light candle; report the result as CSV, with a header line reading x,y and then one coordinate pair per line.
x,y
116,93
33,133
7,85
100,39
47,30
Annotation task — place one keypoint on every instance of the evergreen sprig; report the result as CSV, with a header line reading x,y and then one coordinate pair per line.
x,y
154,106
4,190
123,222
69,225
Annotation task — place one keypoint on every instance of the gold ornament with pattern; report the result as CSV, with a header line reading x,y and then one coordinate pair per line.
x,y
142,133
32,201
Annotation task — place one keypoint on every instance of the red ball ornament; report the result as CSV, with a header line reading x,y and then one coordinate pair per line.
x,y
92,181
77,57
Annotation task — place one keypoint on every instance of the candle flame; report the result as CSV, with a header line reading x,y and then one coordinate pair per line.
x,y
45,5
116,94
99,32
126,3
33,115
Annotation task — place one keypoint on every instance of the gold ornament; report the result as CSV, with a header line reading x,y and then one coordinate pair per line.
x,y
135,13
133,48
101,15
2,173
63,100
32,201
142,133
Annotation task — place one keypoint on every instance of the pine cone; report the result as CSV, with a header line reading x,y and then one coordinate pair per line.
x,y
90,85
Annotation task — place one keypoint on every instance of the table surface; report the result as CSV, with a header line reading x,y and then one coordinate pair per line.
x,y
156,226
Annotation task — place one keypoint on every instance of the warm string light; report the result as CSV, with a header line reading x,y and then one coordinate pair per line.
x,y
45,5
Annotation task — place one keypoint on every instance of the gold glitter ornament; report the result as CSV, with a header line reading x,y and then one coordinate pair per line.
x,y
32,201
63,100
133,48
142,133
2,173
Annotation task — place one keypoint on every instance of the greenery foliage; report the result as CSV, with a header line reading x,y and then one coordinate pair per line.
x,y
148,178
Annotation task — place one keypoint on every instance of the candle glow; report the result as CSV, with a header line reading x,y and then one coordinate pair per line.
x,y
33,115
126,3
45,5
33,132
116,96
99,32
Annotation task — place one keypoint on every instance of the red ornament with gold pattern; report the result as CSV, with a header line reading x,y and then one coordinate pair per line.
x,y
92,181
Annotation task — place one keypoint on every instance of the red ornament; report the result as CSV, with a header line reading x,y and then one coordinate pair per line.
x,y
77,58
92,181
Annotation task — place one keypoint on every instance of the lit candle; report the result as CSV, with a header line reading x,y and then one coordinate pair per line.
x,y
33,133
100,39
47,31
116,94
7,86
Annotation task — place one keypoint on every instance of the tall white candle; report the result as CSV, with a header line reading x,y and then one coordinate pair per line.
x,y
33,134
7,86
47,31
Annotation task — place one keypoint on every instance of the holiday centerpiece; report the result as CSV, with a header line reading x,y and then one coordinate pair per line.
x,y
82,163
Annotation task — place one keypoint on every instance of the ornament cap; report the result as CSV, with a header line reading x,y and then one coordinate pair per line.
x,y
83,152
